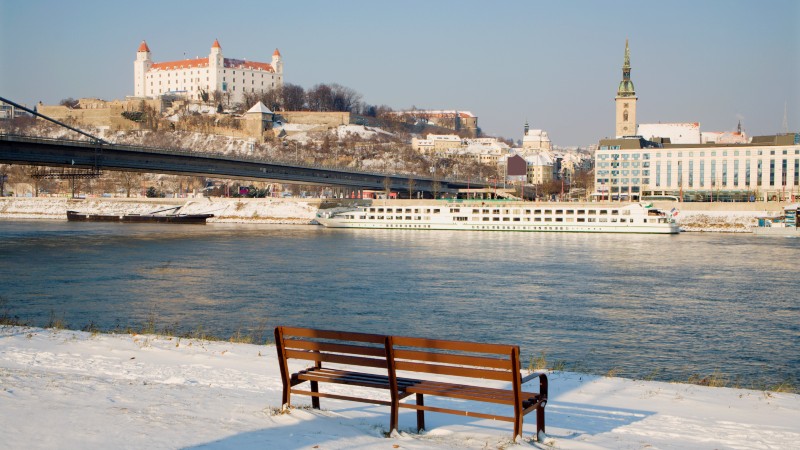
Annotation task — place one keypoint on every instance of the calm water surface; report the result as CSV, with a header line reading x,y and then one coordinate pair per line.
x,y
665,307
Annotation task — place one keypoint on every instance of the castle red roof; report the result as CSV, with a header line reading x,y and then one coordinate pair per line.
x,y
276,53
242,64
203,62
182,64
143,47
216,44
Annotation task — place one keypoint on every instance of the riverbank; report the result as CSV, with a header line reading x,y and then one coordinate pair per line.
x,y
72,389
225,210
705,217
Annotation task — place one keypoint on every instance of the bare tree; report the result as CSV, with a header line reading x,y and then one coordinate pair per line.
x,y
128,181
411,184
345,99
320,98
294,98
216,96
387,186
436,187
4,169
249,99
69,102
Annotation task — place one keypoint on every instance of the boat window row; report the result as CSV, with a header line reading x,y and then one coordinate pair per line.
x,y
503,219
516,211
406,210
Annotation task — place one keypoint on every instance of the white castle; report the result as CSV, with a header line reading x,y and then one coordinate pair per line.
x,y
192,77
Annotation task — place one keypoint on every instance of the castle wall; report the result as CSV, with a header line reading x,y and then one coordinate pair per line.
x,y
325,119
110,116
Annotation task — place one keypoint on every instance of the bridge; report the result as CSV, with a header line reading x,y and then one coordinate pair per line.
x,y
96,155
100,155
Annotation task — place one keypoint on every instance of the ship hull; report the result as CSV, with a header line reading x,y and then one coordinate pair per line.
x,y
519,217
191,219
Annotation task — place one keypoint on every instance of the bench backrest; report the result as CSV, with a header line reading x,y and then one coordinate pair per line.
x,y
401,353
338,347
456,358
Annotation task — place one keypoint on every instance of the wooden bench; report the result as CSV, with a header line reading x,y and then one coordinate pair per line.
x,y
398,365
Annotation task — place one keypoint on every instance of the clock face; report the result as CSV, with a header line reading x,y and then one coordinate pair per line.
x,y
626,105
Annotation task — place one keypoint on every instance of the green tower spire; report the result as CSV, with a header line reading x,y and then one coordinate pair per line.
x,y
626,88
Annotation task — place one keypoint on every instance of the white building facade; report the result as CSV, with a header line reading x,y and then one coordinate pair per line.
x,y
535,139
766,169
678,133
192,78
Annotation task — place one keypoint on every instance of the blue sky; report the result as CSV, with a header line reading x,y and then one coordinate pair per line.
x,y
555,64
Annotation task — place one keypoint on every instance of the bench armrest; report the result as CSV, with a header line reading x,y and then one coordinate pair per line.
x,y
542,382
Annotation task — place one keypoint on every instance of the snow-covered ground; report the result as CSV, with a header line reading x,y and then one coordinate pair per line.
x,y
236,210
719,221
70,389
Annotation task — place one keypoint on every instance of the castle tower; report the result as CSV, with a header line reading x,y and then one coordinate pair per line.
x,y
140,67
216,63
626,100
277,65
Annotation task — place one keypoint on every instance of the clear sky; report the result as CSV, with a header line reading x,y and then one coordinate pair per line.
x,y
555,64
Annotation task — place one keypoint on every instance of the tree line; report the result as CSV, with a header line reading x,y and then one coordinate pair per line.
x,y
320,98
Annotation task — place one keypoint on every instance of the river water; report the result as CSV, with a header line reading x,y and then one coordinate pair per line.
x,y
660,307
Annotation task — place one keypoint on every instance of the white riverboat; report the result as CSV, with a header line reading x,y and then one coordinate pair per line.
x,y
476,215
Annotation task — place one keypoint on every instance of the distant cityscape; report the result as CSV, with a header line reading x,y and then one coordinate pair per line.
x,y
644,160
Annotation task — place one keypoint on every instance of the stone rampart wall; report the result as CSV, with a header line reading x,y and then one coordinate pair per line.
x,y
326,119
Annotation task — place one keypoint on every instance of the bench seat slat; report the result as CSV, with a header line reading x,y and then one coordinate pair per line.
x,y
466,392
351,379
347,377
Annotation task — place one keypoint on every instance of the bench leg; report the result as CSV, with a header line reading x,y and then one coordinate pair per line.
x,y
285,398
393,417
539,420
420,414
517,427
315,399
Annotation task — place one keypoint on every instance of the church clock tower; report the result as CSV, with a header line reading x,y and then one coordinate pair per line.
x,y
626,100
